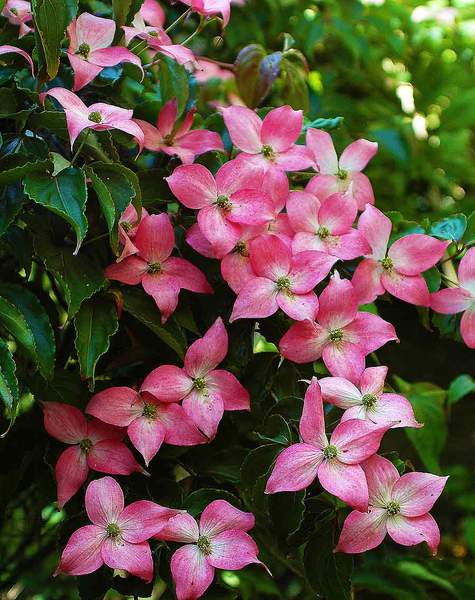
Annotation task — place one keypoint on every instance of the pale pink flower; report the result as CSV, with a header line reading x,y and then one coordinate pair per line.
x,y
326,225
397,505
118,536
128,226
218,541
268,143
460,299
98,116
18,12
152,13
149,422
367,400
342,336
7,49
336,463
397,270
94,445
90,49
209,8
281,280
205,390
173,139
230,198
162,276
342,175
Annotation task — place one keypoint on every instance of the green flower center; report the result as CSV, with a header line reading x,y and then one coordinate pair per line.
x,y
95,117
369,400
84,50
199,383
387,264
168,140
283,284
336,335
85,445
342,174
330,452
268,152
14,11
153,33
323,232
150,411
204,545
155,268
223,202
126,226
113,530
241,248
393,508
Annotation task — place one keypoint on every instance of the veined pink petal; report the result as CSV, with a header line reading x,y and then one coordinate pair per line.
x,y
96,32
143,519
251,207
348,245
104,501
257,299
7,49
233,550
302,208
208,352
372,380
270,257
200,141
416,493
296,158
340,392
450,301
361,190
236,270
155,238
312,421
136,559
298,306
109,57
180,53
153,13
187,275
362,531
344,359
466,271
97,431
179,428
220,232
164,290
369,332
416,253
244,128
338,304
116,405
412,289
276,185
467,327
191,572
113,457
130,270
390,408
357,155
410,531
64,422
82,554
304,241
321,144
196,239
167,117
337,213
233,176
153,139
295,469
303,342
381,476
281,127
193,185
71,472
309,268
376,228
345,481
221,516
182,528
186,124
366,281
205,408
167,383
357,440
147,435
234,394
323,186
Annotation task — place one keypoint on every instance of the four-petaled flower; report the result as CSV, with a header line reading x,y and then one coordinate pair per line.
x,y
397,505
18,12
336,462
219,541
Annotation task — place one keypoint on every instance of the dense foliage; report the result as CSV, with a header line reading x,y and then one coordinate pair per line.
x,y
186,306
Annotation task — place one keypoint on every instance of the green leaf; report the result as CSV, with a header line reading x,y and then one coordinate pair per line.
x,y
460,387
144,309
328,573
174,82
294,75
95,323
14,167
256,72
124,11
276,431
469,235
12,200
286,511
433,279
8,381
26,320
327,124
199,499
418,571
65,195
450,228
51,17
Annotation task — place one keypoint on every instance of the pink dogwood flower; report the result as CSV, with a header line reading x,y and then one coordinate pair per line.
x,y
342,175
336,463
219,541
149,422
230,198
162,276
153,13
18,12
209,8
205,390
117,536
397,270
367,400
281,280
178,140
128,226
326,225
268,143
93,445
343,336
98,116
90,49
460,299
7,49
397,505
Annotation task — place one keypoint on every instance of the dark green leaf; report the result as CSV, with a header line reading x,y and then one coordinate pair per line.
x,y
14,167
124,11
433,279
286,511
198,500
174,82
8,381
450,228
12,200
256,72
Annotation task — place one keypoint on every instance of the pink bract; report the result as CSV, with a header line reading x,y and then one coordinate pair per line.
x,y
128,226
18,12
208,8
6,49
